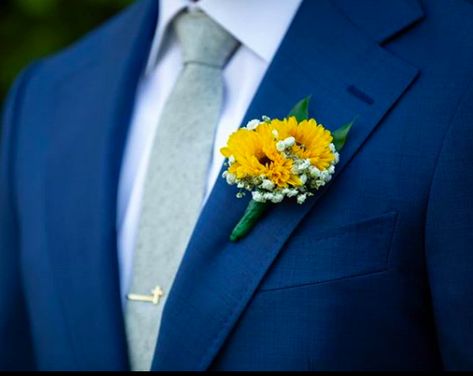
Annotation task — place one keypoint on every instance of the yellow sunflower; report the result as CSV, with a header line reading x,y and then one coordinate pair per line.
x,y
254,154
312,140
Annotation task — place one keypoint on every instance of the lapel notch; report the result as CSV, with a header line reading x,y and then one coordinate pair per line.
x,y
391,16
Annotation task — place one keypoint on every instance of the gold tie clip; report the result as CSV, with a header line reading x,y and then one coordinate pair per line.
x,y
156,294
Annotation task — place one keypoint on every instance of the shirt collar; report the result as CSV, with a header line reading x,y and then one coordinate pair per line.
x,y
260,25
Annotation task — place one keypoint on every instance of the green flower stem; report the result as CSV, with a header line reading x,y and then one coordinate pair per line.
x,y
253,213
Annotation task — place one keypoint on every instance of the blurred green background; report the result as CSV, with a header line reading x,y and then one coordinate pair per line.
x,y
30,29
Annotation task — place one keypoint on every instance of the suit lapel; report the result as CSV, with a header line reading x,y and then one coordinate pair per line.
x,y
347,74
91,113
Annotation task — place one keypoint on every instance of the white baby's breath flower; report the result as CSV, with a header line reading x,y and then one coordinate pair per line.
x,y
231,160
257,196
253,124
290,141
292,192
265,118
301,198
336,157
325,175
267,184
314,171
301,166
332,148
268,196
303,178
240,194
277,197
305,164
230,178
280,146
285,144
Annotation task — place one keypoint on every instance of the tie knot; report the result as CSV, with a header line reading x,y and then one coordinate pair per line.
x,y
203,41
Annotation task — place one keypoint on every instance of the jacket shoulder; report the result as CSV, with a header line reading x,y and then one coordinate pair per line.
x,y
90,47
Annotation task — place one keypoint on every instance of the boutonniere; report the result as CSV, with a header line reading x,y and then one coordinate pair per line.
x,y
275,159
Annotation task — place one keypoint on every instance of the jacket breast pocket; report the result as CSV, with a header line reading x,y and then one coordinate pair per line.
x,y
346,251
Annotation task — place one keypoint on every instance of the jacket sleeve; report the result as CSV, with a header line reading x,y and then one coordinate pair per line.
x,y
449,240
16,350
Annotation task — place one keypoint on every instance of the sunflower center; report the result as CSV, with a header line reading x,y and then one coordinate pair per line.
x,y
264,160
301,146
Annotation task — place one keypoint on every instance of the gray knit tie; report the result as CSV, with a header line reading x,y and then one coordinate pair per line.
x,y
176,177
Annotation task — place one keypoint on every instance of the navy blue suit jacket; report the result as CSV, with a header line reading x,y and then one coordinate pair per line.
x,y
373,272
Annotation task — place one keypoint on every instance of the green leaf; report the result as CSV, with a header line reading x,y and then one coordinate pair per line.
x,y
301,109
253,213
340,135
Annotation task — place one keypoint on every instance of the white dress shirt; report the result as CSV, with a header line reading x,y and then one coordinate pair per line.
x,y
260,26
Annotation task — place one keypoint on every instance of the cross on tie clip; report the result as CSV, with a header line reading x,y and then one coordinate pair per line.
x,y
156,294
